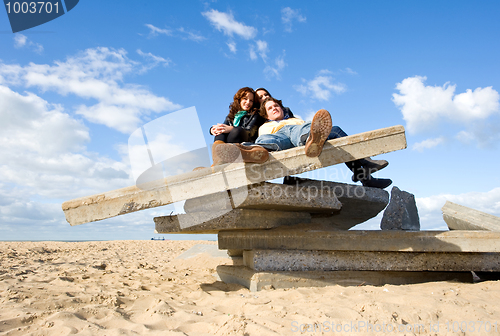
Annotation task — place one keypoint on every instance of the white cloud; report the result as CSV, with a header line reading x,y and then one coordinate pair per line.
x,y
325,72
121,118
31,124
428,143
320,87
232,47
424,106
154,31
21,41
485,134
275,71
262,48
94,74
44,161
179,32
226,23
252,53
349,71
190,35
309,115
288,16
153,60
43,150
44,157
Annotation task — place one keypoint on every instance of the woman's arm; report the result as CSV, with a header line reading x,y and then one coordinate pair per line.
x,y
225,127
220,128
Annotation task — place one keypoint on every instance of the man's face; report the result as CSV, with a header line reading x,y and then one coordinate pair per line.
x,y
274,111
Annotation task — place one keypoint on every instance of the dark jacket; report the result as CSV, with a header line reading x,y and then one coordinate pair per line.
x,y
250,123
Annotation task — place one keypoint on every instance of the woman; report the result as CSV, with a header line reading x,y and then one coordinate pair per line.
x,y
241,125
243,121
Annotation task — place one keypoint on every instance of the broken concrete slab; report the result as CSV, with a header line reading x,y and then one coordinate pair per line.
x,y
459,217
303,260
357,240
256,281
401,213
359,203
237,219
230,176
268,196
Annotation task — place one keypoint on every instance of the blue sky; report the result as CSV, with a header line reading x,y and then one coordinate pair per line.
x,y
73,90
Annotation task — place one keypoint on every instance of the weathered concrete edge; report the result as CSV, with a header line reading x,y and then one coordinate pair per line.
x,y
297,260
267,196
240,219
256,281
185,186
358,240
459,217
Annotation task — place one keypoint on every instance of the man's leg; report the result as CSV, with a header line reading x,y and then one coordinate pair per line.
x,y
336,132
277,141
313,134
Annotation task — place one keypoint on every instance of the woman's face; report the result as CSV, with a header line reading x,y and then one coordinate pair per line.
x,y
262,95
246,103
274,111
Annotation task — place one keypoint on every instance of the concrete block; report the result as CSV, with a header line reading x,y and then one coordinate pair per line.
x,y
237,219
235,253
358,203
300,260
401,213
256,281
357,240
268,196
230,176
458,217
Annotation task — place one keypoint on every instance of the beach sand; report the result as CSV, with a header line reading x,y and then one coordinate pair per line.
x,y
140,288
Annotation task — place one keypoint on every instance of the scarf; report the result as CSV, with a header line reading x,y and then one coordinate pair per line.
x,y
238,116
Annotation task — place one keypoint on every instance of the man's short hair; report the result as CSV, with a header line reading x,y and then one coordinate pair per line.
x,y
263,111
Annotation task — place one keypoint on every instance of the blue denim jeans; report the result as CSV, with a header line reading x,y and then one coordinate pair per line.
x,y
290,136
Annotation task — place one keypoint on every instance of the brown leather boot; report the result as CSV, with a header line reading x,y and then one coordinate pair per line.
x,y
215,156
228,153
321,126
253,154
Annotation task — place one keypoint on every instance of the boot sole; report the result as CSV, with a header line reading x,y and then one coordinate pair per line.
x,y
321,127
377,183
253,154
226,153
376,166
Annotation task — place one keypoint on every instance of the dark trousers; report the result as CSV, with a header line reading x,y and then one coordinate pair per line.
x,y
237,135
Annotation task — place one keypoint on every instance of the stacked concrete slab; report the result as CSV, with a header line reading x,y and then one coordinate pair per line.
x,y
295,234
292,258
290,235
319,204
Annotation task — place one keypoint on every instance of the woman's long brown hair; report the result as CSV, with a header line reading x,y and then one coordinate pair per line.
x,y
235,106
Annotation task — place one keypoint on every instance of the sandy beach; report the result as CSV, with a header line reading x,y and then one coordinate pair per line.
x,y
140,288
